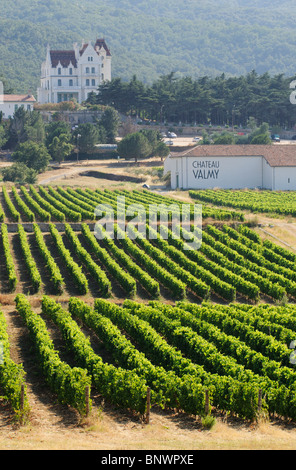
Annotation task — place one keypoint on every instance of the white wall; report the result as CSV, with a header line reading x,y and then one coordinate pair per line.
x,y
9,108
284,178
228,173
216,172
268,175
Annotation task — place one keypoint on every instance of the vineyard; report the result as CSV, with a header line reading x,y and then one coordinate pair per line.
x,y
195,330
233,358
274,202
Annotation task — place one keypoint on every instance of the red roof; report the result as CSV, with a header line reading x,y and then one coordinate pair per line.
x,y
274,154
19,98
64,57
67,57
102,43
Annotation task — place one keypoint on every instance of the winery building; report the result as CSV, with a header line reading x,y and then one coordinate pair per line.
x,y
270,167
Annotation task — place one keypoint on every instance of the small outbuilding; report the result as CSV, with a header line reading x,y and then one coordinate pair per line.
x,y
10,103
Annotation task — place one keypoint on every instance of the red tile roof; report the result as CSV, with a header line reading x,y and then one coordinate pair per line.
x,y
19,98
275,154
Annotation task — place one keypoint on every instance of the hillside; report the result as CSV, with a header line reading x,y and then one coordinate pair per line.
x,y
151,38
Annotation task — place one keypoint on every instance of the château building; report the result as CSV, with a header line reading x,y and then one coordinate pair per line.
x,y
74,74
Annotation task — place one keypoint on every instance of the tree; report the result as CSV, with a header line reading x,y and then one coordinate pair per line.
x,y
224,139
55,129
135,146
33,155
26,125
85,137
3,136
60,148
153,138
19,173
34,127
110,122
260,135
261,139
17,128
162,150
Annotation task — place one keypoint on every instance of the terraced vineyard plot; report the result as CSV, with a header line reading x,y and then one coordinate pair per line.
x,y
48,204
180,352
282,202
231,264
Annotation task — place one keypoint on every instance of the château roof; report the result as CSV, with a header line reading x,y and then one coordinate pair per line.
x,y
274,154
64,57
102,43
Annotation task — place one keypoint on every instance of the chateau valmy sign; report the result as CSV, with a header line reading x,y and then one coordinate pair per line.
x,y
205,169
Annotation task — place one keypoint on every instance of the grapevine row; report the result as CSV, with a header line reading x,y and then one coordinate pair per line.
x,y
175,285
146,281
12,376
120,386
9,261
168,389
227,393
57,204
269,274
195,260
23,206
85,257
126,281
14,213
259,341
29,260
207,278
42,213
279,398
76,271
49,210
69,384
55,274
227,343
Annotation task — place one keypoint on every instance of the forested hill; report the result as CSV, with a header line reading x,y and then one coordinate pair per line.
x,y
151,38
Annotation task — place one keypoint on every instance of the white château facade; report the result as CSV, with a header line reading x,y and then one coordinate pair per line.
x,y
74,74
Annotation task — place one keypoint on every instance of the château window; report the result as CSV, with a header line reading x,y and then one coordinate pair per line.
x,y
90,59
93,82
87,70
70,82
59,82
59,71
70,71
93,70
87,82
